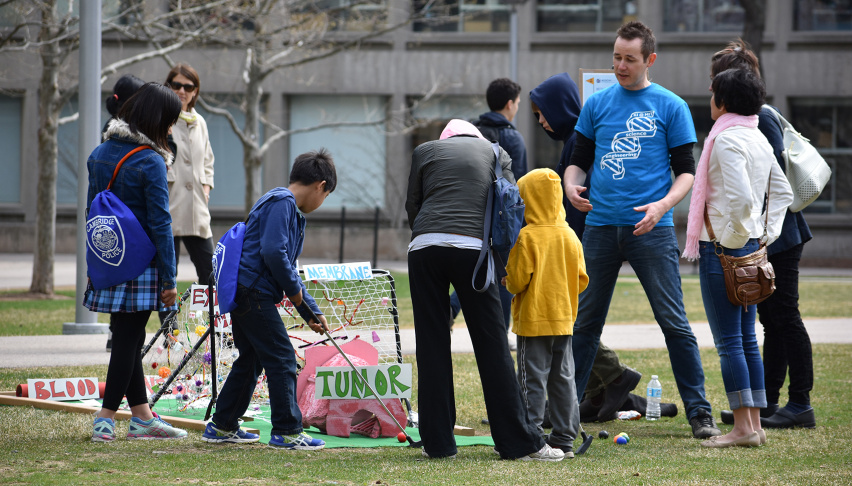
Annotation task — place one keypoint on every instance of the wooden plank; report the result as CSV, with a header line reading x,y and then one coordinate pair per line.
x,y
6,399
466,431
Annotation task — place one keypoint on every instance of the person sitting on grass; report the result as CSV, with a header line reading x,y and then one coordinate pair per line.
x,y
546,272
273,240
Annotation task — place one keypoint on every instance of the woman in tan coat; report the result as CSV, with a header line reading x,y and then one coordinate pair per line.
x,y
191,175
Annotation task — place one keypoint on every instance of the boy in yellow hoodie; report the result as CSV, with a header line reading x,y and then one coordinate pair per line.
x,y
546,271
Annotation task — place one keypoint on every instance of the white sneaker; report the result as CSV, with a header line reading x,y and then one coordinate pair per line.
x,y
546,453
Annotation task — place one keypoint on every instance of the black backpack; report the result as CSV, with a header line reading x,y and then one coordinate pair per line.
x,y
490,132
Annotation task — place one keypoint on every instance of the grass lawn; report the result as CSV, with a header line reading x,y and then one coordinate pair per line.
x,y
45,447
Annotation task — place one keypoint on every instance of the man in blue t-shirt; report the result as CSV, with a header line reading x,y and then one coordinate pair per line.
x,y
636,135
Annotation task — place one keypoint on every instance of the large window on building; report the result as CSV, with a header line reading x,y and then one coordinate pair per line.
x,y
345,15
462,16
229,177
10,140
703,16
584,15
828,125
822,15
359,149
431,116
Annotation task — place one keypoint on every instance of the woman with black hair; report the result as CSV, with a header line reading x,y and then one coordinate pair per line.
x,y
143,120
124,88
734,174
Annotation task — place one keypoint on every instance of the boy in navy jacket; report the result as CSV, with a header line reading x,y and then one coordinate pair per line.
x,y
274,235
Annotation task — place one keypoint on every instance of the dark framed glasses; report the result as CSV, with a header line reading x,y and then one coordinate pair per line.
x,y
189,88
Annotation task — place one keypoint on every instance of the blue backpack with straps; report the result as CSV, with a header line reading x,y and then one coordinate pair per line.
x,y
504,217
117,247
226,263
226,266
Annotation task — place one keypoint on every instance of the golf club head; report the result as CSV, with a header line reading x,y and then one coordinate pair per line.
x,y
587,441
414,443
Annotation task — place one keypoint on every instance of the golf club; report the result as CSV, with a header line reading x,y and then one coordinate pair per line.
x,y
587,441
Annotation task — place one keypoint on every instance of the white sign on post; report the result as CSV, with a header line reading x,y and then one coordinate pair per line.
x,y
594,80
199,300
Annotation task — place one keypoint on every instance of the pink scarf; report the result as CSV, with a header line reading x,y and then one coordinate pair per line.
x,y
699,189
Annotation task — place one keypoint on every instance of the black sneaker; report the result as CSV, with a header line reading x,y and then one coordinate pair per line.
x,y
703,425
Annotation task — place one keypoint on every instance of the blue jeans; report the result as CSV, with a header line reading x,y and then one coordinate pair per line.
x,y
733,330
263,343
654,257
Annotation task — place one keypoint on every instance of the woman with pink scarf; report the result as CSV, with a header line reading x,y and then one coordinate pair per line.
x,y
736,170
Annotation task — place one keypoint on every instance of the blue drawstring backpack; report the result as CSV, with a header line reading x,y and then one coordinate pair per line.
x,y
117,248
226,266
226,263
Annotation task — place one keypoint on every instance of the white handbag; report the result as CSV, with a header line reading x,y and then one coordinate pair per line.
x,y
806,170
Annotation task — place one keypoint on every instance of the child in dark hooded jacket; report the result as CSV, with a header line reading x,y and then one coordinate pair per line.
x,y
556,106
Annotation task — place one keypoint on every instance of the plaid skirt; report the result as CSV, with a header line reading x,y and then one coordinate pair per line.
x,y
140,294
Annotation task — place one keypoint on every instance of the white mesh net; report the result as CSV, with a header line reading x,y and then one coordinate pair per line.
x,y
364,309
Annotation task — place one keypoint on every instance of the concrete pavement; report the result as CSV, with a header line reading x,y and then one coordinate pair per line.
x,y
29,351
89,349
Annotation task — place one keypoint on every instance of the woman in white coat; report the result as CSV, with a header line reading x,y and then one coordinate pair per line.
x,y
191,175
736,170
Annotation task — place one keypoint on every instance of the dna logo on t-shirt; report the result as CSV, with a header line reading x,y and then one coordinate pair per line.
x,y
627,145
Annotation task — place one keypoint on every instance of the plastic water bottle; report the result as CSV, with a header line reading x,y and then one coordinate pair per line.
x,y
654,395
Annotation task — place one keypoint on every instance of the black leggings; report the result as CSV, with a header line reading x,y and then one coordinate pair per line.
x,y
125,376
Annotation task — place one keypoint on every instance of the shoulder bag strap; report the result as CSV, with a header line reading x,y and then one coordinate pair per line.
x,y
121,162
486,232
781,120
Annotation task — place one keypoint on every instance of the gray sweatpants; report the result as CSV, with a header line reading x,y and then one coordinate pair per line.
x,y
546,371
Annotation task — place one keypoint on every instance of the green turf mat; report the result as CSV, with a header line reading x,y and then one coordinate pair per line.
x,y
261,422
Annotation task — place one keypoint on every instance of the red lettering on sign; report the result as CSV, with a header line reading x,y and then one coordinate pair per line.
x,y
69,388
91,386
53,392
41,393
199,296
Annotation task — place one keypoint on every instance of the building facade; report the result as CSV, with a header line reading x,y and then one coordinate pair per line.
x,y
412,80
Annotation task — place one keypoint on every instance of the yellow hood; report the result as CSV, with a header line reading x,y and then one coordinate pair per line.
x,y
541,190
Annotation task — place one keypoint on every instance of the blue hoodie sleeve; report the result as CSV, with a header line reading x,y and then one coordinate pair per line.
x,y
275,228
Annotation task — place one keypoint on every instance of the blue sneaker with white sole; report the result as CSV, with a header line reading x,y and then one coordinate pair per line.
x,y
216,435
103,430
297,442
155,428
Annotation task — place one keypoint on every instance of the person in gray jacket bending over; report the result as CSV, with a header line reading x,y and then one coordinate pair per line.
x,y
447,193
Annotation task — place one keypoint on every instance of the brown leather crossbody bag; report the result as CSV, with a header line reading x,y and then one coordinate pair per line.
x,y
749,279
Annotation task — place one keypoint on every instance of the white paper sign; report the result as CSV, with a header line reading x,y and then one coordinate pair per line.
x,y
199,300
62,389
338,271
340,383
594,80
